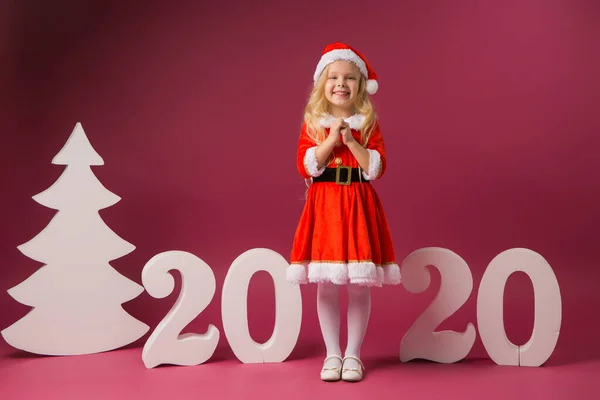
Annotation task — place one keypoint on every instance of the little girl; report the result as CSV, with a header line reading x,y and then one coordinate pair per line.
x,y
342,236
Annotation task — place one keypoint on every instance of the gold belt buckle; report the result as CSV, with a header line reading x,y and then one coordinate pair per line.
x,y
337,175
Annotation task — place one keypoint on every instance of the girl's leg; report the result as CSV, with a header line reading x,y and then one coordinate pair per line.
x,y
328,309
359,310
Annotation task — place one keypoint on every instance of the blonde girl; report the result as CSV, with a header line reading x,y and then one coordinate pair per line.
x,y
342,237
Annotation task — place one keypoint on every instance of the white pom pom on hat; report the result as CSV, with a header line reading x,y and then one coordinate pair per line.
x,y
340,51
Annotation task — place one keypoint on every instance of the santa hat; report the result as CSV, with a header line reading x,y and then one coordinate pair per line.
x,y
341,51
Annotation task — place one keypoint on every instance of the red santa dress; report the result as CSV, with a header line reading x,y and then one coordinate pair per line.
x,y
343,236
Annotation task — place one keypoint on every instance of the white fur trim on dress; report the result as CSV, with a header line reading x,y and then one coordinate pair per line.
x,y
391,275
296,274
311,164
340,54
362,273
354,122
374,165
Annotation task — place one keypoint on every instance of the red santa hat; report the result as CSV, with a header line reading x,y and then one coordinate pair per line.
x,y
341,51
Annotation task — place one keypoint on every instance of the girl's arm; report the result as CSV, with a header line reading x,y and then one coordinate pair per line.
x,y
371,159
323,150
360,153
312,158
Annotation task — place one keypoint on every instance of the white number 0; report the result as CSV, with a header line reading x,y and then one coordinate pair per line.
x,y
288,308
490,313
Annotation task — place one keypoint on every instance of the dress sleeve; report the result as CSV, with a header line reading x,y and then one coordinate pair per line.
x,y
307,158
377,157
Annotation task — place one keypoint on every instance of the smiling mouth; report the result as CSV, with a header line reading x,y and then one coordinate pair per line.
x,y
341,93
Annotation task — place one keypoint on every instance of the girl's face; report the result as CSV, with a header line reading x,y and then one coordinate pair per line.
x,y
341,85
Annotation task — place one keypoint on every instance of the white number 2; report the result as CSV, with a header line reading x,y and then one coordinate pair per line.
x,y
165,345
421,341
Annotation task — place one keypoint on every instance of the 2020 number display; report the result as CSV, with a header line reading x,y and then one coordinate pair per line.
x,y
421,341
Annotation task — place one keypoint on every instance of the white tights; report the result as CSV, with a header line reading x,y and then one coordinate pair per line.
x,y
328,310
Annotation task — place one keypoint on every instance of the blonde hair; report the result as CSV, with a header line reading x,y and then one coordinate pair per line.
x,y
317,107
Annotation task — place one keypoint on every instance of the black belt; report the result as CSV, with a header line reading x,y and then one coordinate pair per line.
x,y
341,175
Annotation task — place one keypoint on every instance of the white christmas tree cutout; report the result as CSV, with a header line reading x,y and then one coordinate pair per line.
x,y
76,296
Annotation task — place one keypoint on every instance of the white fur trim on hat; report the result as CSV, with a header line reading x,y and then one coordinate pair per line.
x,y
341,54
372,86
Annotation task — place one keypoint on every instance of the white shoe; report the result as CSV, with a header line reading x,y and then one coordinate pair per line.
x,y
352,374
331,374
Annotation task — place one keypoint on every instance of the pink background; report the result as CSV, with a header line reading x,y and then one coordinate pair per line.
x,y
489,112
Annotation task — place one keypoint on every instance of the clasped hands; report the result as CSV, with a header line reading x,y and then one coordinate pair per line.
x,y
340,130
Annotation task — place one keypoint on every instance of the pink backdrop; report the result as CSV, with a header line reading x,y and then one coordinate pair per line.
x,y
488,112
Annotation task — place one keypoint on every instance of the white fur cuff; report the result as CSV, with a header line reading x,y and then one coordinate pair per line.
x,y
310,163
374,165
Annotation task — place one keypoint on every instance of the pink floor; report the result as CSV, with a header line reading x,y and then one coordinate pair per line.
x,y
121,375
